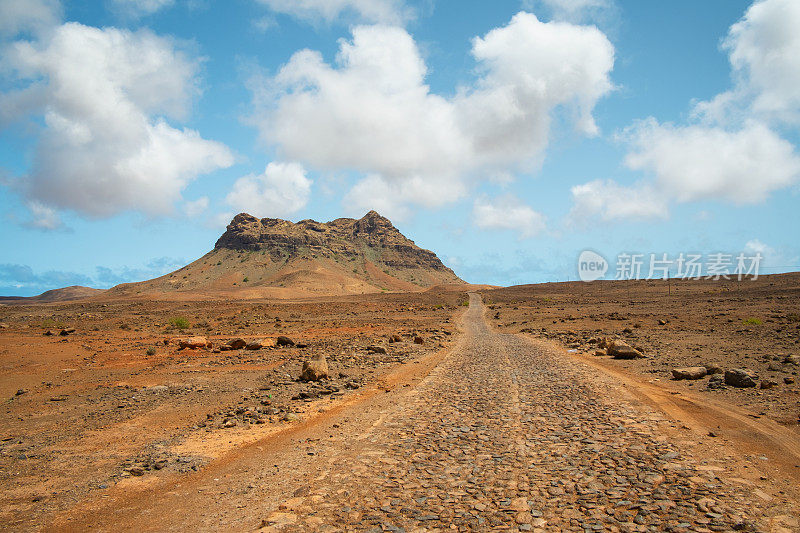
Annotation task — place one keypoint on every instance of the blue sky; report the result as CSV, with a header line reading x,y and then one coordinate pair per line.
x,y
506,136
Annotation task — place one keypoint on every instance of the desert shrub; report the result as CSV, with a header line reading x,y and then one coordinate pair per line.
x,y
179,322
753,321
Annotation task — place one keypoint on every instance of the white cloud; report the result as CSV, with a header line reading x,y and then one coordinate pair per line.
x,y
372,112
137,8
282,189
196,207
507,213
106,146
607,201
730,153
44,218
763,50
698,162
28,15
371,11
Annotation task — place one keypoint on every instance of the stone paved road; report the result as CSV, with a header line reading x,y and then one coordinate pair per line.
x,y
506,435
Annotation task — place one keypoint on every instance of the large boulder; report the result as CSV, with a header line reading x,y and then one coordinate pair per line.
x,y
315,369
739,377
692,372
254,345
194,343
622,350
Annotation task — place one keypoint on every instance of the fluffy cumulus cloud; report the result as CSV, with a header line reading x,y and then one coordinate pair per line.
x,y
731,151
280,190
763,50
607,201
698,162
28,16
371,11
507,213
372,112
105,96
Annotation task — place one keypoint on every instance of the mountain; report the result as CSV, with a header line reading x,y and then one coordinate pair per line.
x,y
75,292
270,257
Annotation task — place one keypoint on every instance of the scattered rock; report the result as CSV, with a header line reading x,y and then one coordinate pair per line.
x,y
66,331
194,343
395,338
692,373
717,381
767,384
599,352
713,368
739,378
315,369
418,340
3,325
135,470
792,360
622,350
284,341
49,333
236,344
374,348
662,322
788,380
254,345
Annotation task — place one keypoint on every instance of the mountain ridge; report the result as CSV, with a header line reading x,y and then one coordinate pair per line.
x,y
271,257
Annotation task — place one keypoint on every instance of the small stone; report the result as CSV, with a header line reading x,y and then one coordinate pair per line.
x,y
254,345
767,384
375,348
622,350
418,340
193,343
236,344
691,373
284,341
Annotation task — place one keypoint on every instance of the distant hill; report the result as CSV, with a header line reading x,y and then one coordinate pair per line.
x,y
271,257
75,292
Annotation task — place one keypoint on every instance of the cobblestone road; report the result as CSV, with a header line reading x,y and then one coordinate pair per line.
x,y
506,435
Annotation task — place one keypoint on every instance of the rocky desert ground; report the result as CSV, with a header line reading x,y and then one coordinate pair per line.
x,y
100,394
494,411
